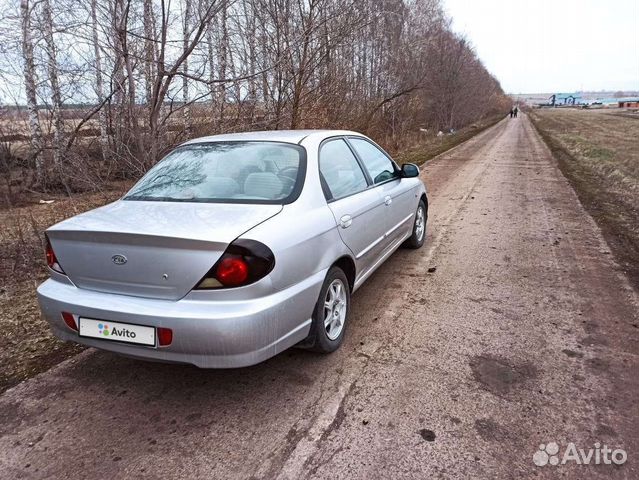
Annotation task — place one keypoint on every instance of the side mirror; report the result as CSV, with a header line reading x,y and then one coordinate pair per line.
x,y
410,170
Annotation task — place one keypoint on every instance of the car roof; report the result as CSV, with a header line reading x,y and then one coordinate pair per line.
x,y
286,136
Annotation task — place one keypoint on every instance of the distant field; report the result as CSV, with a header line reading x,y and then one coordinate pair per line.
x,y
599,153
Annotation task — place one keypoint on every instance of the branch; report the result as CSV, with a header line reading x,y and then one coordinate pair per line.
x,y
417,86
88,117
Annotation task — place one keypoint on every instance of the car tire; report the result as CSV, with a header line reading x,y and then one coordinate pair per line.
x,y
331,313
416,240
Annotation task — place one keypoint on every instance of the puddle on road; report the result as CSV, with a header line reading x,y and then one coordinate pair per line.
x,y
498,375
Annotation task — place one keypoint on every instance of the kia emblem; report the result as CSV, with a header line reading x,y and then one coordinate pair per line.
x,y
119,259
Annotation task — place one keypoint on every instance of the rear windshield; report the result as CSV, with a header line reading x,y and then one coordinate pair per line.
x,y
231,172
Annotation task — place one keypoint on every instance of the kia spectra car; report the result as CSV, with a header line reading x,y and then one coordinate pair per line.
x,y
233,248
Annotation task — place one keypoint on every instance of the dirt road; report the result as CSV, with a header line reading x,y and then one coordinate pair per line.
x,y
525,334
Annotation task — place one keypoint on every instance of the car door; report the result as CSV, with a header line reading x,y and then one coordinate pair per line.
x,y
397,194
359,210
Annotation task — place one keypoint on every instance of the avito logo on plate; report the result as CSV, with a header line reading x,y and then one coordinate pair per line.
x,y
103,329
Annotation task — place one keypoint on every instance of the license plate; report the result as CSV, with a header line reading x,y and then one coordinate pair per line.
x,y
117,332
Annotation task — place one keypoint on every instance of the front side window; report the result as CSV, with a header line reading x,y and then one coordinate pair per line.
x,y
233,172
379,166
340,169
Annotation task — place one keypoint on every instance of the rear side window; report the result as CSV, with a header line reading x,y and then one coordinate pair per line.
x,y
341,171
225,172
379,166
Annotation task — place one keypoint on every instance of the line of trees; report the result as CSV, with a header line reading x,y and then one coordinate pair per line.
x,y
143,75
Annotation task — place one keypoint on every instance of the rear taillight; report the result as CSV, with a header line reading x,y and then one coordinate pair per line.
x,y
244,262
232,271
52,260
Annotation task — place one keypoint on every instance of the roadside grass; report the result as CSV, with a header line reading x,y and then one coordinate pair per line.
x,y
598,152
26,345
431,146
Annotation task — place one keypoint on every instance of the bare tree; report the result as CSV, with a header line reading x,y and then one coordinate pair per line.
x,y
186,33
149,48
99,82
56,95
154,72
167,71
30,88
222,56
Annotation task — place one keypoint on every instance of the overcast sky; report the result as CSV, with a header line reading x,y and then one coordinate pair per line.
x,y
554,45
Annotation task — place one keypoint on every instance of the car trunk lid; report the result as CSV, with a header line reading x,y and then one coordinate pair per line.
x,y
150,249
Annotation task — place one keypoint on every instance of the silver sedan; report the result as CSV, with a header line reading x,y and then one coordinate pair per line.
x,y
233,248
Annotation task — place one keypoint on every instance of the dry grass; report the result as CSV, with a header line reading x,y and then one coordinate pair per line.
x,y
598,153
431,145
26,344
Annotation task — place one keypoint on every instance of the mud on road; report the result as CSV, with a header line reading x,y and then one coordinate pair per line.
x,y
511,328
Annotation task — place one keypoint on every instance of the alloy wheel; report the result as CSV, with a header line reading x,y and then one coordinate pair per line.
x,y
420,224
335,309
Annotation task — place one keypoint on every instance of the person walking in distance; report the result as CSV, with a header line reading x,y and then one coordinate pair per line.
x,y
515,110
511,113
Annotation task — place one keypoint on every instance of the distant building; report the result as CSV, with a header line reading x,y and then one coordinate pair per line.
x,y
628,102
566,99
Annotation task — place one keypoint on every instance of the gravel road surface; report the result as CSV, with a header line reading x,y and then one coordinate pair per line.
x,y
512,328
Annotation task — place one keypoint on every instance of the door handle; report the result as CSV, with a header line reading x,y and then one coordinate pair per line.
x,y
345,221
388,200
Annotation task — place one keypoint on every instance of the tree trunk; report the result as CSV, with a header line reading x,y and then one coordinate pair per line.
x,y
118,113
301,74
56,97
99,82
132,120
210,48
222,59
30,86
149,49
188,120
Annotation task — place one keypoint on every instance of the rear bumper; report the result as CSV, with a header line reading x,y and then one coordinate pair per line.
x,y
208,334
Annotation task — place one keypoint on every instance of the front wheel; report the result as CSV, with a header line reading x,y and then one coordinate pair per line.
x,y
330,314
416,240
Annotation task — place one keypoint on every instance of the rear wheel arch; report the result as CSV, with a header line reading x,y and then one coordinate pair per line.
x,y
327,310
347,265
